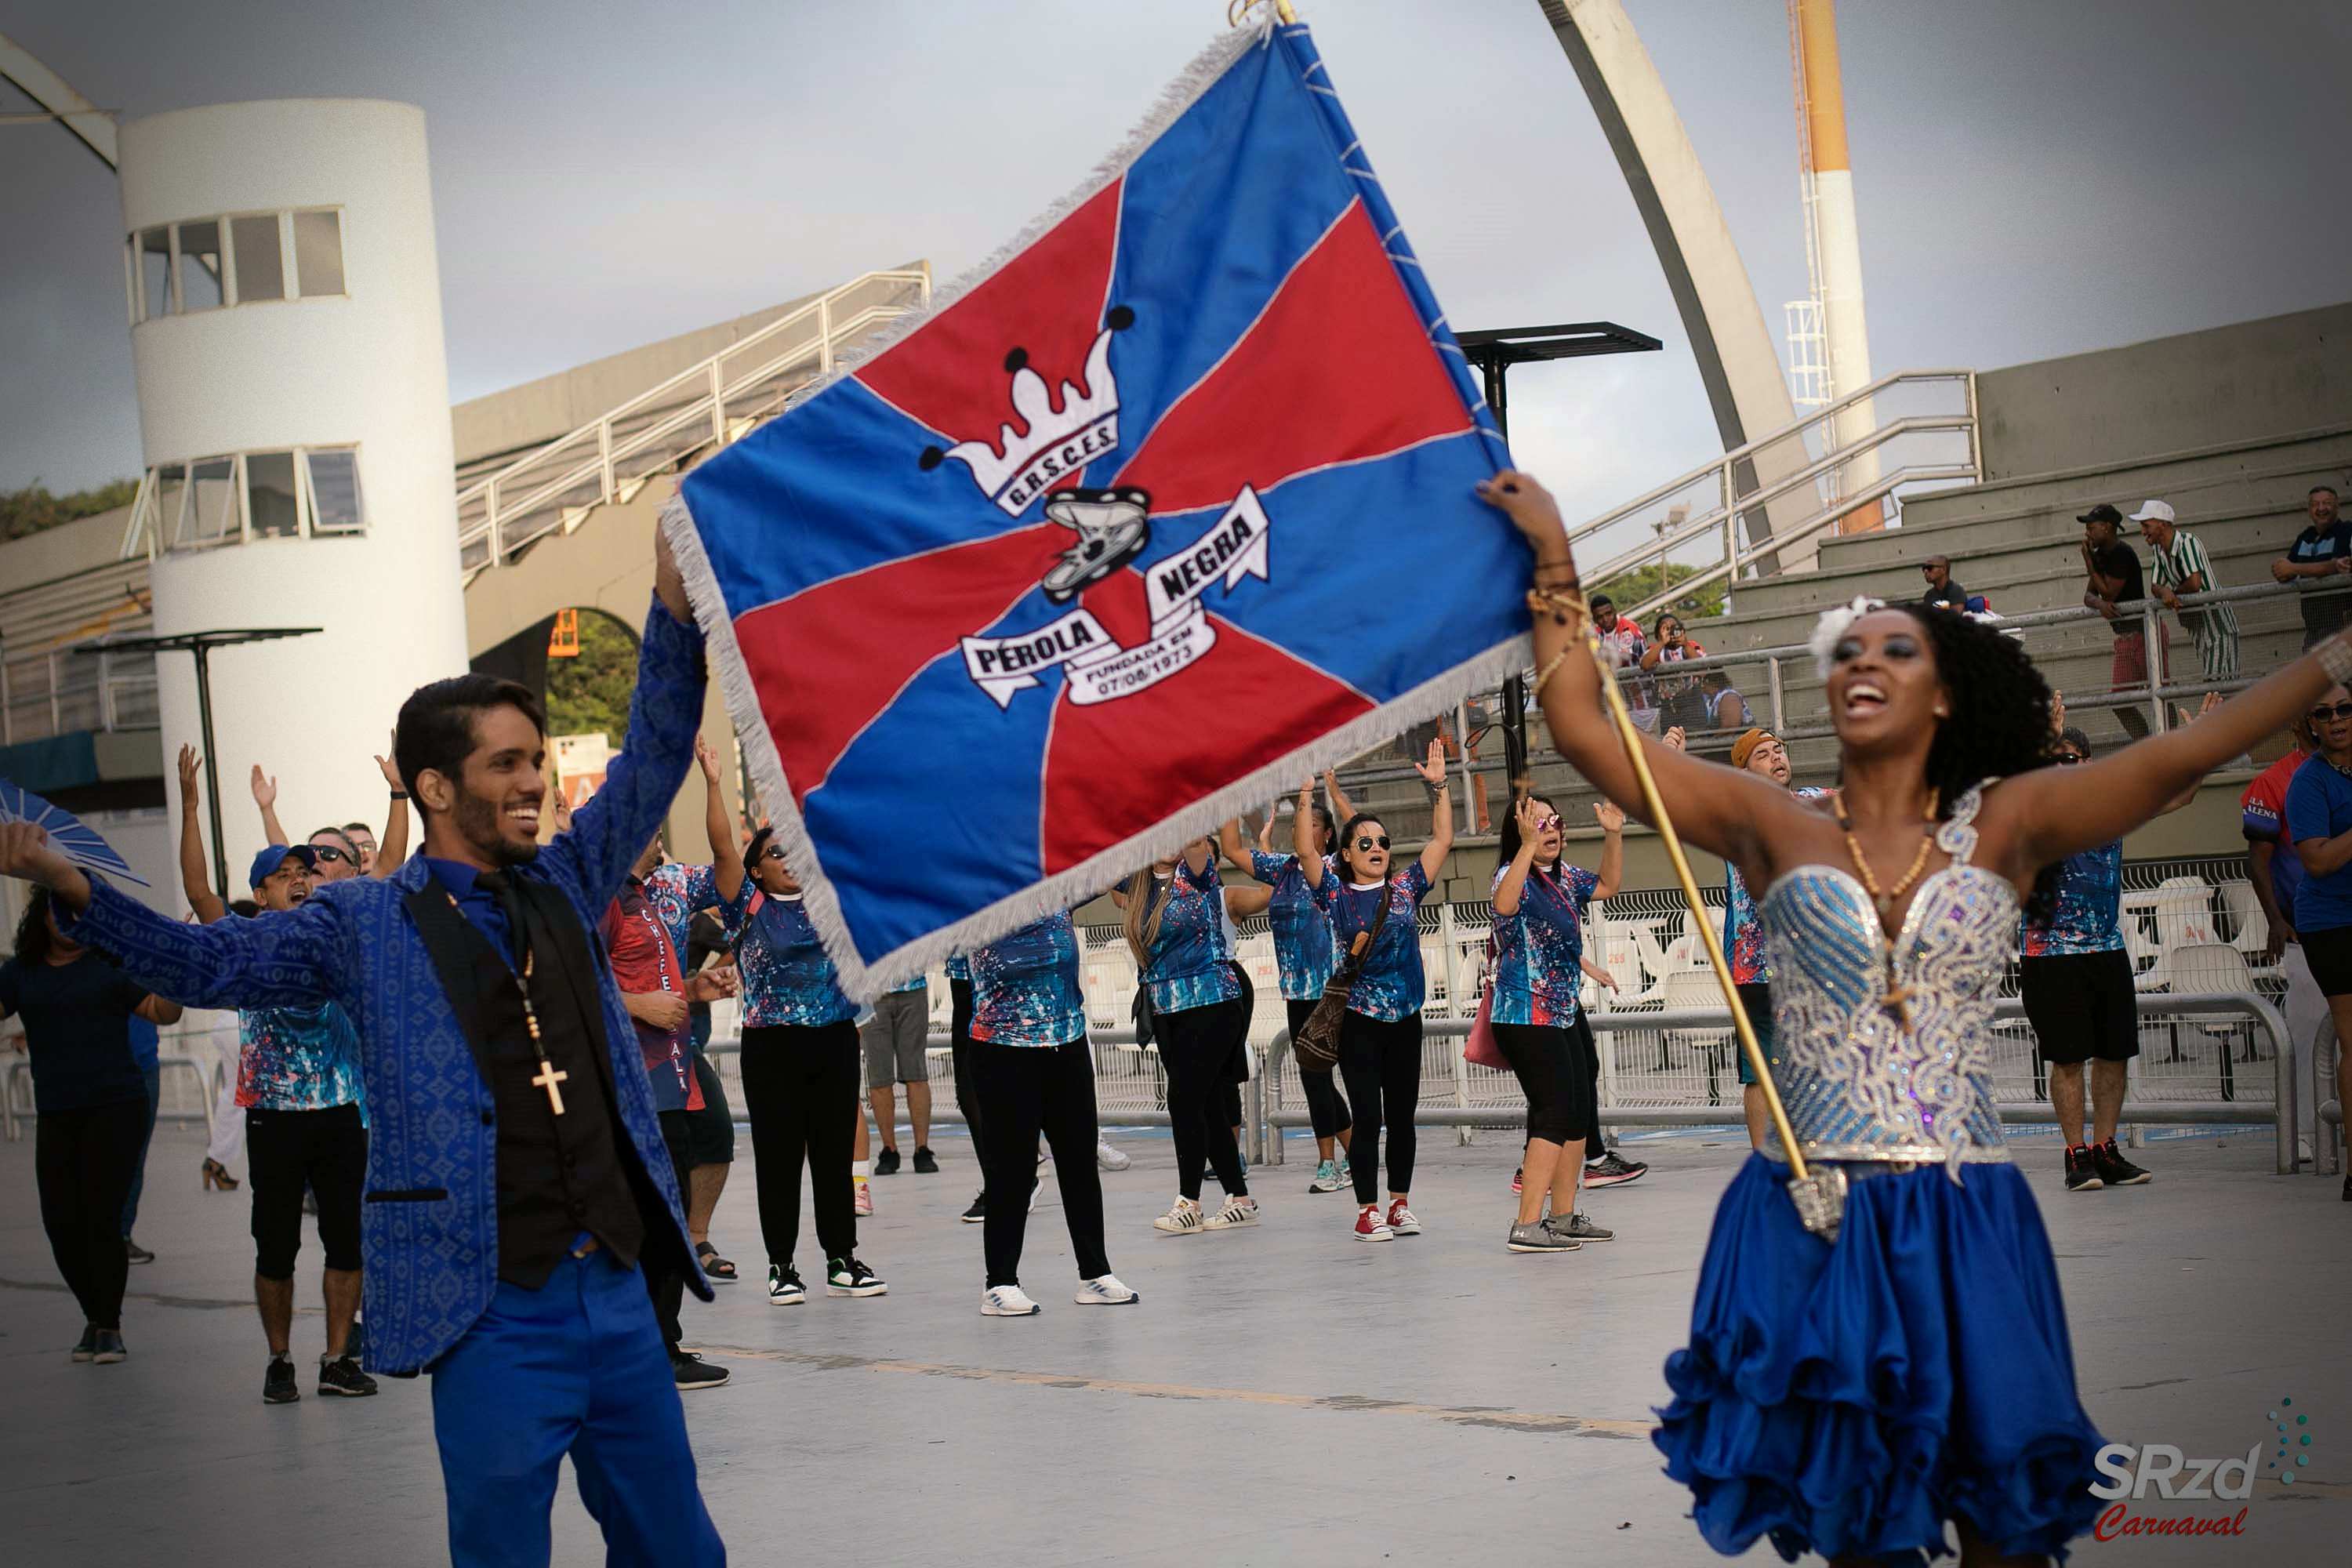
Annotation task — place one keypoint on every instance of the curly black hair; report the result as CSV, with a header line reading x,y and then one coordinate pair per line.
x,y
2000,721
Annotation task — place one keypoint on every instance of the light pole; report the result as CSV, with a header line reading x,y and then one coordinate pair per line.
x,y
201,644
1495,350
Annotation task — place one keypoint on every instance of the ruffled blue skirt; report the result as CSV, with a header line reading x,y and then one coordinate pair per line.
x,y
1851,1399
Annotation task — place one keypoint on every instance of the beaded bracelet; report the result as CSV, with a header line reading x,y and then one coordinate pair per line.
x,y
1545,673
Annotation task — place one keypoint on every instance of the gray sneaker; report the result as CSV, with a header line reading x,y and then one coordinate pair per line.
x,y
1578,1227
1538,1238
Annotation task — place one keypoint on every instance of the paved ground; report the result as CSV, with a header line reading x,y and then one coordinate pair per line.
x,y
1281,1395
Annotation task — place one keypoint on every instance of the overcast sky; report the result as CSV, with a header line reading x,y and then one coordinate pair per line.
x,y
2034,177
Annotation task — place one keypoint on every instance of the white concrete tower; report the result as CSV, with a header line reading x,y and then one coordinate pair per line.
x,y
294,406
1834,236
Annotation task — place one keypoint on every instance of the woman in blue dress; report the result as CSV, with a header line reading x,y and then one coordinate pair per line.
x,y
1857,1395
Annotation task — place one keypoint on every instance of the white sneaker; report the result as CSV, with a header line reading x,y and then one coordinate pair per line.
x,y
1238,1211
1007,1301
1183,1218
784,1286
1108,1158
1105,1291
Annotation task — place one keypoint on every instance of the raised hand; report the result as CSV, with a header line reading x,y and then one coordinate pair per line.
x,y
1432,772
562,812
1611,817
1532,511
191,766
387,766
2057,710
26,852
265,789
1674,738
1529,816
705,754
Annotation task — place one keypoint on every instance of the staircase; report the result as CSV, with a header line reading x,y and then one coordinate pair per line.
x,y
554,488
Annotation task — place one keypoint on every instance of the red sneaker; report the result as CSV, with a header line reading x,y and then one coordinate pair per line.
x,y
1402,1220
1370,1226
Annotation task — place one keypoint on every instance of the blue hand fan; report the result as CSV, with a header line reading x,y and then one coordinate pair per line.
x,y
75,839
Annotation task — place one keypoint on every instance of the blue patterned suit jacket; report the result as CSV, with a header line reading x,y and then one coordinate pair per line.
x,y
430,1241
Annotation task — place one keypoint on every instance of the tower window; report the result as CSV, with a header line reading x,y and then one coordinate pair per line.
x,y
318,252
260,261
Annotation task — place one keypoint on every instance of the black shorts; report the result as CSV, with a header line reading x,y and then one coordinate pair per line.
x,y
2329,954
286,1151
1756,1001
2082,1006
711,1131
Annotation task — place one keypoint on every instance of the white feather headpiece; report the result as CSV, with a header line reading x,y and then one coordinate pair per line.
x,y
1833,626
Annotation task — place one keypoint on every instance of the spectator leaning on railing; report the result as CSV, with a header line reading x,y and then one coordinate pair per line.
x,y
1941,589
2182,566
2114,578
2319,555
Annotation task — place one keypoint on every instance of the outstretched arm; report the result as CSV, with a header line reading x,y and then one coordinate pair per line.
x,y
2053,812
1714,808
1302,836
1243,900
1611,874
1514,885
1440,825
265,795
726,850
194,880
610,832
391,848
1229,840
1342,808
282,960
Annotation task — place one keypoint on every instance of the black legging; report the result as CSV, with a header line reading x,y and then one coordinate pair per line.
x,y
1596,1145
960,1054
1560,1094
1326,1110
1024,1090
82,1161
800,1091
1196,1046
667,1285
1382,1062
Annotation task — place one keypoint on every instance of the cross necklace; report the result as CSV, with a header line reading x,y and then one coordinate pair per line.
x,y
1898,999
550,1076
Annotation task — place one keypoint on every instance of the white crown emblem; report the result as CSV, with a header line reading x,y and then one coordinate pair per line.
x,y
1055,443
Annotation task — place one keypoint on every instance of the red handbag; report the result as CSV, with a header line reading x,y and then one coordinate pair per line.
x,y
1481,1049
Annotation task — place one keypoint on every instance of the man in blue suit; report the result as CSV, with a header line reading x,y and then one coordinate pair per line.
x,y
517,1184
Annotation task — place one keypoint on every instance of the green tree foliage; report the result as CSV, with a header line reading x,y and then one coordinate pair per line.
x,y
28,511
1630,588
589,694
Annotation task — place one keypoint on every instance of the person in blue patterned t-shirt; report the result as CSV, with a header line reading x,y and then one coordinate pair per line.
x,y
1175,921
1033,1072
1761,753
297,1077
800,1068
2075,977
1380,1038
1303,956
1538,968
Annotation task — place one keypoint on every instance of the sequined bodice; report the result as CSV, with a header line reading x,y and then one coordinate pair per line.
x,y
1859,1082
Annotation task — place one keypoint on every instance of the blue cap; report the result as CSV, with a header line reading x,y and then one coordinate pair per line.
x,y
271,858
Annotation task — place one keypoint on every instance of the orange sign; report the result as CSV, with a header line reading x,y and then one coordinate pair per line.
x,y
563,638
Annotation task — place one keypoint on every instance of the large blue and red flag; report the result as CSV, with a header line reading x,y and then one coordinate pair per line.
x,y
1158,511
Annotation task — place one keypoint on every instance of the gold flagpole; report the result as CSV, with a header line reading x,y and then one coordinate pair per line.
x,y
1819,1195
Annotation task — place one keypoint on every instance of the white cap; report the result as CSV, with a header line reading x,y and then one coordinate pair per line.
x,y
2153,508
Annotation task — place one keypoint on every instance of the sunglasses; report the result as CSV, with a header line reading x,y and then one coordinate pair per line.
x,y
1382,841
327,852
2068,759
1548,822
2321,715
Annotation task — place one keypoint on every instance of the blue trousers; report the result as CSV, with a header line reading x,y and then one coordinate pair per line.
x,y
575,1367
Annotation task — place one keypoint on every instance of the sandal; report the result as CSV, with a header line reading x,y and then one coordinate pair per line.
x,y
216,1175
713,1265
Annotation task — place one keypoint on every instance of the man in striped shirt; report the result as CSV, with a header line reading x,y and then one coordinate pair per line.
x,y
2182,566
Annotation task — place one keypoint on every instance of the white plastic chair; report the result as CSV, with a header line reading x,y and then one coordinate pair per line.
x,y
2245,912
1697,988
2217,968
2184,914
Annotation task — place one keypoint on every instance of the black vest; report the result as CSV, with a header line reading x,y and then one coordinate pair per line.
x,y
557,1176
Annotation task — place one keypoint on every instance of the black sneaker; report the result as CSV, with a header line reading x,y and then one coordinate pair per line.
x,y
278,1385
1612,1170
2347,1189
979,1210
925,1162
136,1253
692,1372
108,1347
849,1276
2117,1171
355,1342
886,1163
342,1375
86,1346
2081,1172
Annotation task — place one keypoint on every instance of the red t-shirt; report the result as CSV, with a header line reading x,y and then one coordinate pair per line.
x,y
644,960
2263,809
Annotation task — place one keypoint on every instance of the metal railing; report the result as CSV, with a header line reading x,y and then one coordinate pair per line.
x,y
553,488
1800,477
